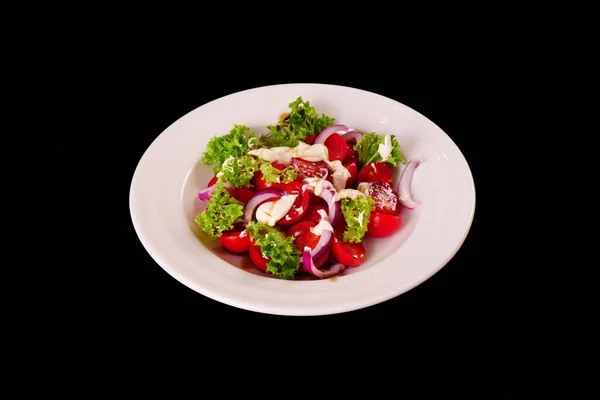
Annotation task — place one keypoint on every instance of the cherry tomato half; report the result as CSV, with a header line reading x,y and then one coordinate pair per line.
x,y
261,184
309,169
310,138
235,241
385,197
383,225
353,169
351,154
304,237
312,213
375,172
298,208
336,147
349,254
256,256
242,194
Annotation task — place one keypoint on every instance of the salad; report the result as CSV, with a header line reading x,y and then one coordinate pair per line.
x,y
302,197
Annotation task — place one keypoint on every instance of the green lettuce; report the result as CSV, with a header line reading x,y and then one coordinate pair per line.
x,y
234,144
357,213
274,244
302,121
238,171
273,175
222,211
368,150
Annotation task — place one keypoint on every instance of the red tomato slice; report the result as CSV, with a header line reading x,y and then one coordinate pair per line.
x,y
312,214
298,208
351,154
212,181
294,187
304,237
353,169
383,225
385,197
310,138
314,200
349,254
309,169
256,256
259,181
235,241
336,146
242,194
375,172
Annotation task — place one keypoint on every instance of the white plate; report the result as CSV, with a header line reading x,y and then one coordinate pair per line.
x,y
163,202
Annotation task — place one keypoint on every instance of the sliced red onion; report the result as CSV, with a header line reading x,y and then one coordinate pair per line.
x,y
403,186
353,136
330,130
309,265
330,259
205,194
323,245
259,198
328,194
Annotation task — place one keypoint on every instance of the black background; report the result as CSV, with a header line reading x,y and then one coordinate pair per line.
x,y
462,313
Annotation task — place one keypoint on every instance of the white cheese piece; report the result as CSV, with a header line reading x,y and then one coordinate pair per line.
x,y
323,224
314,153
385,149
340,174
348,194
272,211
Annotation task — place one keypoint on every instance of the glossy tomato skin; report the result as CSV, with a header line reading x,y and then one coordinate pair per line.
x,y
351,154
312,213
375,172
304,237
313,199
385,197
336,147
310,139
261,184
309,169
383,225
298,208
242,194
235,241
353,169
256,256
349,254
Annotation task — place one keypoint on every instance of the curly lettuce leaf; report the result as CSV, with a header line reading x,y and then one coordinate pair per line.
x,y
234,144
222,211
274,244
239,171
302,121
273,175
357,213
368,149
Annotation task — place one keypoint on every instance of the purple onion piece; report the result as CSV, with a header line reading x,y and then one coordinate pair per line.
x,y
309,265
259,198
330,130
403,186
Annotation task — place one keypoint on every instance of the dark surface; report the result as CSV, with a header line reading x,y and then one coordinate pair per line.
x,y
462,313
458,309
